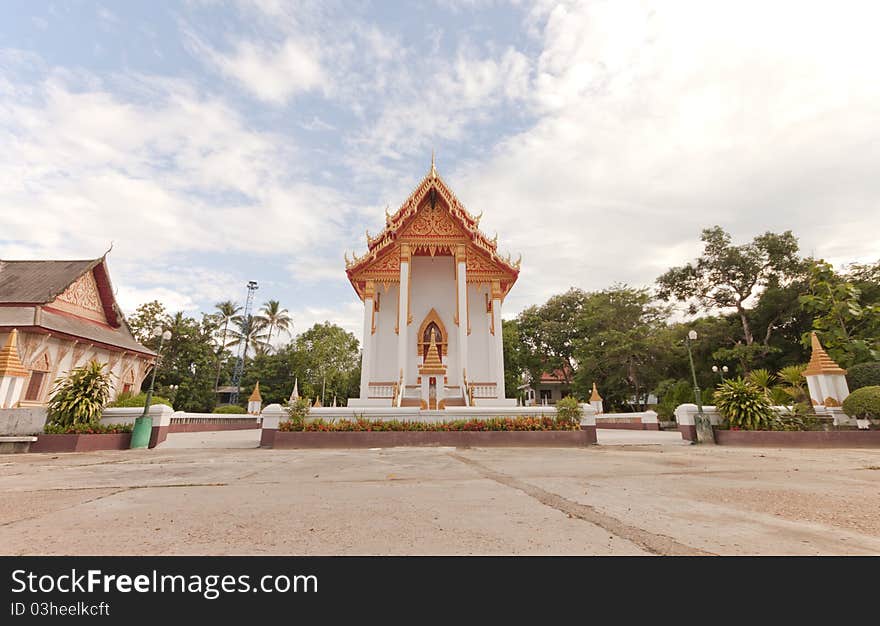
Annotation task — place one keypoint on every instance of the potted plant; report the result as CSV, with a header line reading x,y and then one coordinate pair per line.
x,y
864,405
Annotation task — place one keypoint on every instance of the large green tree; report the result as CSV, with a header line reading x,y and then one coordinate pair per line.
x,y
328,360
728,276
846,311
620,345
549,332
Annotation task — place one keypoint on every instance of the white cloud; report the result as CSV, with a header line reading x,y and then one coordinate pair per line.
x,y
272,73
658,121
350,317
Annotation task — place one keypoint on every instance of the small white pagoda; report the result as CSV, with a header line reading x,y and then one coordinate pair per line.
x,y
432,285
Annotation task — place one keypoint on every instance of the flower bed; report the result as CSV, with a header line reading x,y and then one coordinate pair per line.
x,y
364,433
83,438
492,424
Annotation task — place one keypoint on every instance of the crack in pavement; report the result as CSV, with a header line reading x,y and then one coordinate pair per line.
x,y
64,508
652,542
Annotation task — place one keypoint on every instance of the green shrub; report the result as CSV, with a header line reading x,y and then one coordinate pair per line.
x,y
127,399
762,379
672,393
569,411
863,375
298,412
230,408
863,403
87,429
744,405
80,398
793,384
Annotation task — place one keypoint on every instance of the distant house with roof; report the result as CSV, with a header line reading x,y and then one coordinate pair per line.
x,y
65,315
549,389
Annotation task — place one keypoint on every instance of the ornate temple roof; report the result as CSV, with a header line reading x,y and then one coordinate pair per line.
x,y
64,298
431,221
820,362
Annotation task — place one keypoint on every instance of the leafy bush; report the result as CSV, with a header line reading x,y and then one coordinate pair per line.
x,y
230,408
762,379
80,398
744,405
127,399
87,429
543,423
569,411
672,393
863,375
863,403
793,384
800,416
298,412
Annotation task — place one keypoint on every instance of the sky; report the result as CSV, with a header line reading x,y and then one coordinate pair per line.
x,y
215,142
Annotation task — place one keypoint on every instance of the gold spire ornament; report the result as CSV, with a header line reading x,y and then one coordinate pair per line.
x,y
595,397
432,364
820,362
255,396
10,363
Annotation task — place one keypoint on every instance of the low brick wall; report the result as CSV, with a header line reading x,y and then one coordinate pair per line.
x,y
272,438
81,443
799,439
201,427
637,425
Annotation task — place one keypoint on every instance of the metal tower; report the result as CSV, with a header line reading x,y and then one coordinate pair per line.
x,y
242,345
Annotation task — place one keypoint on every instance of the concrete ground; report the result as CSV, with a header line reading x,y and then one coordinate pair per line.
x,y
663,498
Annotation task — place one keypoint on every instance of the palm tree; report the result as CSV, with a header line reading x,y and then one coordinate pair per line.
x,y
226,311
251,329
274,317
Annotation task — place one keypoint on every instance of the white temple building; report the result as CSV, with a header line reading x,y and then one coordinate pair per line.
x,y
432,285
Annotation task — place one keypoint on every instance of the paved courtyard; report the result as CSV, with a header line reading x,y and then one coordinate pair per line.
x,y
629,498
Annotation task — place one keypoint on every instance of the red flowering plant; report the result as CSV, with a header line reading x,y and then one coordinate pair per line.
x,y
362,424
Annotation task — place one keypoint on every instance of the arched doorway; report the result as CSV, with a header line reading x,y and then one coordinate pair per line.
x,y
433,322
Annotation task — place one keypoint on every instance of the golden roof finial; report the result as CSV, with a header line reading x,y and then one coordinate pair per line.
x,y
10,363
255,396
820,362
433,169
595,397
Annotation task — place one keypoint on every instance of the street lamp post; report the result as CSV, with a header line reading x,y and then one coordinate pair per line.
x,y
143,426
720,371
704,429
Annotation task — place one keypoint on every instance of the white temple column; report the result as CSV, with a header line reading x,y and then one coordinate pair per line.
x,y
403,310
498,348
461,314
369,295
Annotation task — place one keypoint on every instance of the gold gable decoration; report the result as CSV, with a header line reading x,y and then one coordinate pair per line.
x,y
82,298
